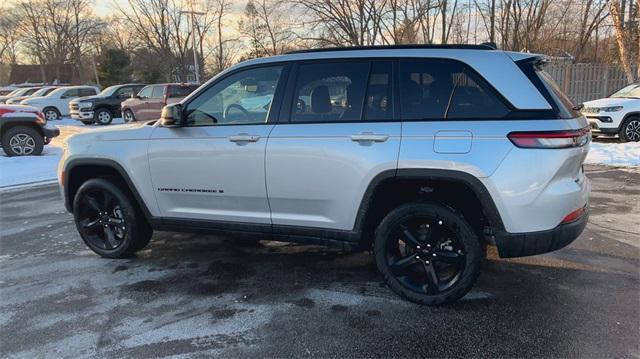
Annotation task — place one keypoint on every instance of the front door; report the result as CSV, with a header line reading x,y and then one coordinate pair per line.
x,y
212,168
337,134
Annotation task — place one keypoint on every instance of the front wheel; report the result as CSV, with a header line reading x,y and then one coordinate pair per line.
x,y
128,116
103,117
427,253
108,220
630,130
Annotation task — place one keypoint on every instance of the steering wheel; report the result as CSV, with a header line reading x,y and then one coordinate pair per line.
x,y
225,114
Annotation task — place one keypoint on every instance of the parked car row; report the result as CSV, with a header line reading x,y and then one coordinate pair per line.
x,y
134,102
52,101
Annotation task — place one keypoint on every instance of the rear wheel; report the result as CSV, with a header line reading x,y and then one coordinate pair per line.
x,y
22,141
630,130
427,253
108,220
51,114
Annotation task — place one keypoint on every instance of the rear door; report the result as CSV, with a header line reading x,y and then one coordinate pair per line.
x,y
336,133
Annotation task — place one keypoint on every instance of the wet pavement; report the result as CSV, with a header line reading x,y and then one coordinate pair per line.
x,y
197,296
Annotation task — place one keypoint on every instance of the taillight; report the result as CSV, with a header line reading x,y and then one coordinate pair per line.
x,y
551,139
5,110
574,215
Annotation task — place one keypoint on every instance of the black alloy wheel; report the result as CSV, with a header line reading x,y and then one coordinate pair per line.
x,y
427,253
108,221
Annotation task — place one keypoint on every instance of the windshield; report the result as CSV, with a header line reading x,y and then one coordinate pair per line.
x,y
20,92
631,91
14,92
108,91
43,91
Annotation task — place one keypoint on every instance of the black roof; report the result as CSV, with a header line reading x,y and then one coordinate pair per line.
x,y
484,46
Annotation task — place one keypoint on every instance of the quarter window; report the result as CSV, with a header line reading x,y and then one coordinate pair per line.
x,y
330,92
438,89
242,98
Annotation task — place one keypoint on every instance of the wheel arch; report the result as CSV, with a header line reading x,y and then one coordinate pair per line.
x,y
8,124
627,116
391,188
78,171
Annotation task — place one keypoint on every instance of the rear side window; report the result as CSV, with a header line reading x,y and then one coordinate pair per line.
x,y
180,91
158,92
439,89
87,92
330,92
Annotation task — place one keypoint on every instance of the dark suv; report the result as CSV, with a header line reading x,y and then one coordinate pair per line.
x,y
103,107
24,130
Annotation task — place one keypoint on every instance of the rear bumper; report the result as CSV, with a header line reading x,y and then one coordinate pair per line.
x,y
532,243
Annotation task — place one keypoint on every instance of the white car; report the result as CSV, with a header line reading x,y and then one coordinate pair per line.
x,y
56,103
44,91
618,114
23,91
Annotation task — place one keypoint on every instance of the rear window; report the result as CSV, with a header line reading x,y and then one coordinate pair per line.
x,y
556,97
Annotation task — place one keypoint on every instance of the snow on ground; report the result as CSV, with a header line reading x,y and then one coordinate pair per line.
x,y
614,153
33,169
15,171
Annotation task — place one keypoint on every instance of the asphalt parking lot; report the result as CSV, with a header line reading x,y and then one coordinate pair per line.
x,y
196,296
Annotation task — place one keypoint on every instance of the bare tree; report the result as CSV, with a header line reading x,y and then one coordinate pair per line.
x,y
9,38
623,36
402,22
347,22
265,26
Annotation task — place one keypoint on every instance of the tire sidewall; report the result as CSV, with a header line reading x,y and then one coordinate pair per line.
x,y
37,138
132,118
52,109
97,117
455,222
623,129
128,247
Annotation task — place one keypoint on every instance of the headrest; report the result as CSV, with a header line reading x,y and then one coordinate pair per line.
x,y
320,100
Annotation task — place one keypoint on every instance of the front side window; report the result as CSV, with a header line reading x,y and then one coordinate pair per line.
x,y
145,92
242,98
330,92
439,89
125,92
87,92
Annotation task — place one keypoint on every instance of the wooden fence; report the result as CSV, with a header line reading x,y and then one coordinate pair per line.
x,y
585,82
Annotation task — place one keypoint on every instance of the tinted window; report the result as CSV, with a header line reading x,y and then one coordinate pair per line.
x,y
435,89
242,98
71,93
181,91
31,91
145,92
87,92
562,101
378,104
158,92
330,92
125,91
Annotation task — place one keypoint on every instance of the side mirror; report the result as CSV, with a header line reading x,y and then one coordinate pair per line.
x,y
171,115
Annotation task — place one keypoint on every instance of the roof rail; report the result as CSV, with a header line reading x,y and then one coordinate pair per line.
x,y
483,46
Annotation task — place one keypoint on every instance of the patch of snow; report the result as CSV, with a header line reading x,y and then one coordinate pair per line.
x,y
614,154
29,169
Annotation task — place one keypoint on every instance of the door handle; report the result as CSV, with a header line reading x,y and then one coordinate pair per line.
x,y
369,137
244,137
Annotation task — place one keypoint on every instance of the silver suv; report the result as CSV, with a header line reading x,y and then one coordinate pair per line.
x,y
424,154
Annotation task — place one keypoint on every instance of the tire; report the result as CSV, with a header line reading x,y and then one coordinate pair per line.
x,y
108,219
88,122
630,130
416,240
128,116
103,117
22,141
51,113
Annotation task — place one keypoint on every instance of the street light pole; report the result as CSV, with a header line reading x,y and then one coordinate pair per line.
x,y
193,33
